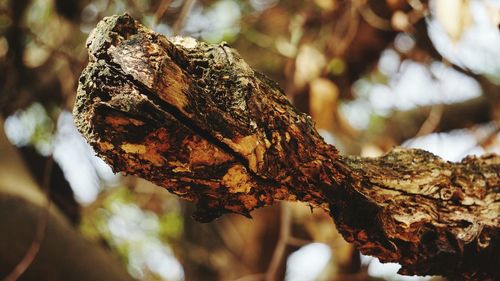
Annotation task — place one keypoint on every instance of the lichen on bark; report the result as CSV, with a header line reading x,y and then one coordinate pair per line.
x,y
195,119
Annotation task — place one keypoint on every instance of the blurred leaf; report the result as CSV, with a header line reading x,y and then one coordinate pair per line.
x,y
34,55
4,47
455,17
327,5
285,48
31,126
336,66
400,21
323,102
171,225
308,65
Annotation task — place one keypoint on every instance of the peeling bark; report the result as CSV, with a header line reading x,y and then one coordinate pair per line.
x,y
195,119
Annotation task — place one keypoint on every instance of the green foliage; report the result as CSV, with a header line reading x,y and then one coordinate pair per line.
x,y
130,229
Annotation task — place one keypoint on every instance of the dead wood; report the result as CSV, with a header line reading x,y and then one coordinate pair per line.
x,y
195,119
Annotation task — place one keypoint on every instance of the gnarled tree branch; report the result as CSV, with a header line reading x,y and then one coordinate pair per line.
x,y
196,119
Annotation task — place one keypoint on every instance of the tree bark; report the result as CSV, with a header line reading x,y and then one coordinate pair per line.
x,y
195,119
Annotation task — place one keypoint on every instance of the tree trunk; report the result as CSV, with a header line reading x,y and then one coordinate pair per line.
x,y
197,120
64,254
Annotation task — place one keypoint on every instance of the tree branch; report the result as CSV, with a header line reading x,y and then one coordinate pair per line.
x,y
197,120
403,125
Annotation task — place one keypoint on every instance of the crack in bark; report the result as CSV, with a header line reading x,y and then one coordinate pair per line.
x,y
177,114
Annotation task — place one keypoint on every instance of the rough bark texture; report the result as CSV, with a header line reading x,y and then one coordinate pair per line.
x,y
196,119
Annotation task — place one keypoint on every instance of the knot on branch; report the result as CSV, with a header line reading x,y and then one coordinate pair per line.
x,y
196,119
